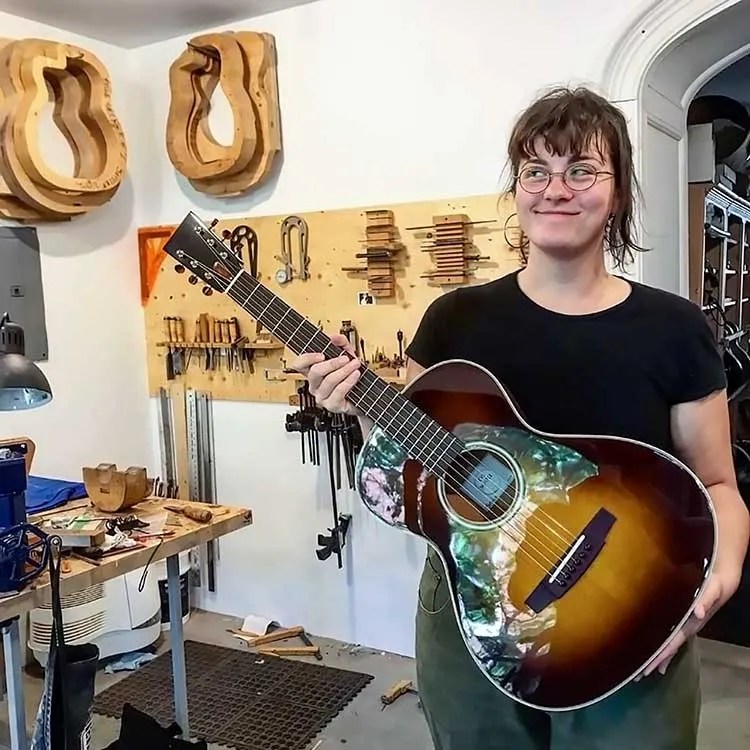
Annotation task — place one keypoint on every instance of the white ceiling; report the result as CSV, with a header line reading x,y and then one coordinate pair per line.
x,y
132,23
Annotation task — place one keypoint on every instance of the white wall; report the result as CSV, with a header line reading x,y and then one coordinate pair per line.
x,y
382,100
92,299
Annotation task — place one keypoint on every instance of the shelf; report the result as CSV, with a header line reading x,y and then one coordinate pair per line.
x,y
724,198
221,345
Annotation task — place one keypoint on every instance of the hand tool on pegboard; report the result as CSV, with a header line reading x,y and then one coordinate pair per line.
x,y
166,444
287,273
244,236
202,465
333,542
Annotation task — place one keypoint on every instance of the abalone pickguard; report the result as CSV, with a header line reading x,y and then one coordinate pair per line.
x,y
496,632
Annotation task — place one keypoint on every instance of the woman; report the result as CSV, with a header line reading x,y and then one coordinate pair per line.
x,y
582,351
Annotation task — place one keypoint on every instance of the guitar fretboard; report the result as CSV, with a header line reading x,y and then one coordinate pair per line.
x,y
421,437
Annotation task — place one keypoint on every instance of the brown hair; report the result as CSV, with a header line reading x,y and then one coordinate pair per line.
x,y
569,121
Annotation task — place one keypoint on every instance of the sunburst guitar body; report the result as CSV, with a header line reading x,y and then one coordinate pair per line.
x,y
571,559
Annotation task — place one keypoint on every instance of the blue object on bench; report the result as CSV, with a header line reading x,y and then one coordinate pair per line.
x,y
46,493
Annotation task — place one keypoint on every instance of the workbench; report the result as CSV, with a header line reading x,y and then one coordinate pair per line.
x,y
81,574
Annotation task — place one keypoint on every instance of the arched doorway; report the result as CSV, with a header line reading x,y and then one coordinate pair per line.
x,y
662,60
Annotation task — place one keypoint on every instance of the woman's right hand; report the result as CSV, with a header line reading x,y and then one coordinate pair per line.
x,y
330,380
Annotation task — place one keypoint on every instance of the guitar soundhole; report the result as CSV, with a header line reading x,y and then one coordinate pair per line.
x,y
481,486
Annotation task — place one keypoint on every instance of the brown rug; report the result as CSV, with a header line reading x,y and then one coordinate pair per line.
x,y
240,699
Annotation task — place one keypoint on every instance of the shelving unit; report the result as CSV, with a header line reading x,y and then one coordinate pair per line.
x,y
719,247
719,272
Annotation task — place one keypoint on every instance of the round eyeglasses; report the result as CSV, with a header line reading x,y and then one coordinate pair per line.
x,y
577,177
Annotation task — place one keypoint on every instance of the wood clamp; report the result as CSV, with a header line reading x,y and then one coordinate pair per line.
x,y
30,190
244,63
450,243
381,247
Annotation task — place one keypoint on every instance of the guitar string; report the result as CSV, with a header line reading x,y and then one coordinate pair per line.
x,y
466,463
549,563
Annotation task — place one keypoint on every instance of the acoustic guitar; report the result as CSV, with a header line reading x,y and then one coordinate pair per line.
x,y
571,559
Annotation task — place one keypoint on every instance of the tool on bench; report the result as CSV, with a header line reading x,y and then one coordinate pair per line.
x,y
286,274
202,515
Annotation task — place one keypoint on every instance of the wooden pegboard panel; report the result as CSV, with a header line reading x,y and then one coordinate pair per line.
x,y
329,295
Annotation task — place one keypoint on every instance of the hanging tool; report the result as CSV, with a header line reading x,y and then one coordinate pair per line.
x,y
243,234
333,542
350,331
286,274
202,465
400,361
166,440
169,358
306,421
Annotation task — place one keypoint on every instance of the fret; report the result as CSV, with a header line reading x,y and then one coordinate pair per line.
x,y
294,333
443,439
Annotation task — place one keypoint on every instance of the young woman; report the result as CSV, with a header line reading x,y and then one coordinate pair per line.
x,y
581,350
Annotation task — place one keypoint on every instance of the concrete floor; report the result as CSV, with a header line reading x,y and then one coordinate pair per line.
x,y
364,726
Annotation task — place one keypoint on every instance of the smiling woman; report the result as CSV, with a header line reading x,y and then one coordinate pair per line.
x,y
584,352
573,137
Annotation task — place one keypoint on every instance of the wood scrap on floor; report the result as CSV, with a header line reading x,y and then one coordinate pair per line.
x,y
259,642
396,690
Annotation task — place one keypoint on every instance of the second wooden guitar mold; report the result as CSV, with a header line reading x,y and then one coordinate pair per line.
x,y
243,63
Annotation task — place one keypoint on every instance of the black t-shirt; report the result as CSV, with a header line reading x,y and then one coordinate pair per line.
x,y
615,372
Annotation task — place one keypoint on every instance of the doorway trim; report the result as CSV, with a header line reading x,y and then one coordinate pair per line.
x,y
643,44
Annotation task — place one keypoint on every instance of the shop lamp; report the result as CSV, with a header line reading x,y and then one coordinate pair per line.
x,y
22,384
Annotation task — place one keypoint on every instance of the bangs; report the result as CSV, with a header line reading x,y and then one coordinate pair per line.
x,y
564,126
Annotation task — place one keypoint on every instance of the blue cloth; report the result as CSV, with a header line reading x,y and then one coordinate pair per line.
x,y
45,493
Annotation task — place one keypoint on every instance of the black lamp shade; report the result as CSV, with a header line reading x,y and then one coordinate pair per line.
x,y
22,384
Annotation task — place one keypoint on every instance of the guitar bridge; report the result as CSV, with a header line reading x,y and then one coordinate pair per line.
x,y
573,563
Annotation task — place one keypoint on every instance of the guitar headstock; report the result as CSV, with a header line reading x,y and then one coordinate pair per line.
x,y
197,249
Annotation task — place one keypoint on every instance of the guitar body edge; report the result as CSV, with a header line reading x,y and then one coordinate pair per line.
x,y
544,641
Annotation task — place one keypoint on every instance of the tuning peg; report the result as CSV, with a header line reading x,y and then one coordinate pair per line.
x,y
192,279
207,291
179,268
213,223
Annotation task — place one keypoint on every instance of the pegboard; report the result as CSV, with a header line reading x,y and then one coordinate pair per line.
x,y
377,308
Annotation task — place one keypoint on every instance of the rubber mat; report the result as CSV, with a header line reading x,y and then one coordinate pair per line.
x,y
238,698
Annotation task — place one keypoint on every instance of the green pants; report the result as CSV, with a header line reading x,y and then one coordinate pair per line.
x,y
465,712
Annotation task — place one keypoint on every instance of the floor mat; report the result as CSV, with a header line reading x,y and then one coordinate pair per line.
x,y
238,698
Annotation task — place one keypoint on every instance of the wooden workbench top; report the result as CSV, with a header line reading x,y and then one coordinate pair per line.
x,y
81,574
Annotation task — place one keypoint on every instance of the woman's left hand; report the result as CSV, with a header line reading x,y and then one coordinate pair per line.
x,y
718,589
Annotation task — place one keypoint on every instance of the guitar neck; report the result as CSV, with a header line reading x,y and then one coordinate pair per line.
x,y
420,436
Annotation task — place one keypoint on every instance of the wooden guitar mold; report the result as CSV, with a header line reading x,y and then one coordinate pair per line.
x,y
34,69
244,64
